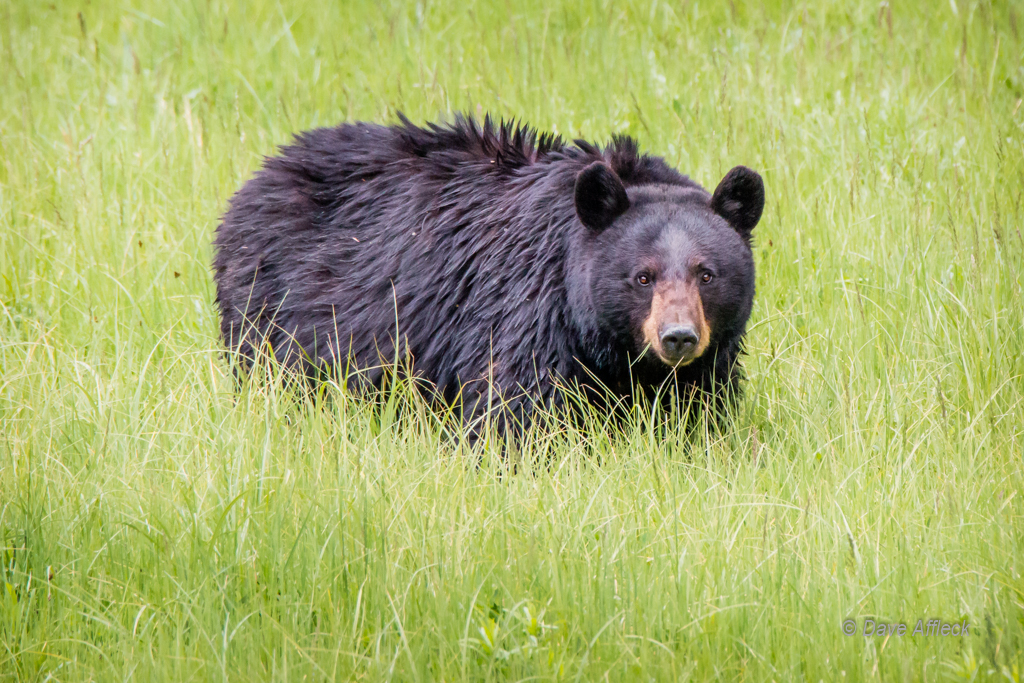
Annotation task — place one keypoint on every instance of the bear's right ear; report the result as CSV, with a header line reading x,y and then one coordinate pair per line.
x,y
600,196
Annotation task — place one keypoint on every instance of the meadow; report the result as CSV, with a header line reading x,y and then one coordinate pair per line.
x,y
156,523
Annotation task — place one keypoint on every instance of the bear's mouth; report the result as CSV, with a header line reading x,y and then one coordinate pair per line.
x,y
676,330
680,359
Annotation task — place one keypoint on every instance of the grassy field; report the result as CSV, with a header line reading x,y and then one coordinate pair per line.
x,y
155,524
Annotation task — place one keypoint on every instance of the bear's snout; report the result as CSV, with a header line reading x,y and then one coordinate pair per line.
x,y
678,341
676,330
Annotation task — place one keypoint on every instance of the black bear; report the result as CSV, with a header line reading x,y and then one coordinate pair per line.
x,y
497,264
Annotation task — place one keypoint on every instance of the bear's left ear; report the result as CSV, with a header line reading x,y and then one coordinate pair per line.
x,y
600,196
739,199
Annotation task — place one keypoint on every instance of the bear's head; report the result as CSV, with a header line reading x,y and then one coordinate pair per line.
x,y
671,274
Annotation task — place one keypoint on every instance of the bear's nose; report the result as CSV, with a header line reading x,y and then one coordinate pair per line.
x,y
678,341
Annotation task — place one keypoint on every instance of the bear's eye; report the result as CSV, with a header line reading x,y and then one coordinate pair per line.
x,y
705,277
644,279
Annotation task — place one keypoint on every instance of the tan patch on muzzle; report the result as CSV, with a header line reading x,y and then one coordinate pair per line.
x,y
676,303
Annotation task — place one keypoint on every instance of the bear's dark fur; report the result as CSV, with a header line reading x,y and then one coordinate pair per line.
x,y
504,265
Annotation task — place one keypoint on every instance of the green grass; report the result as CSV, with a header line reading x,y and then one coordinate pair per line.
x,y
155,524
